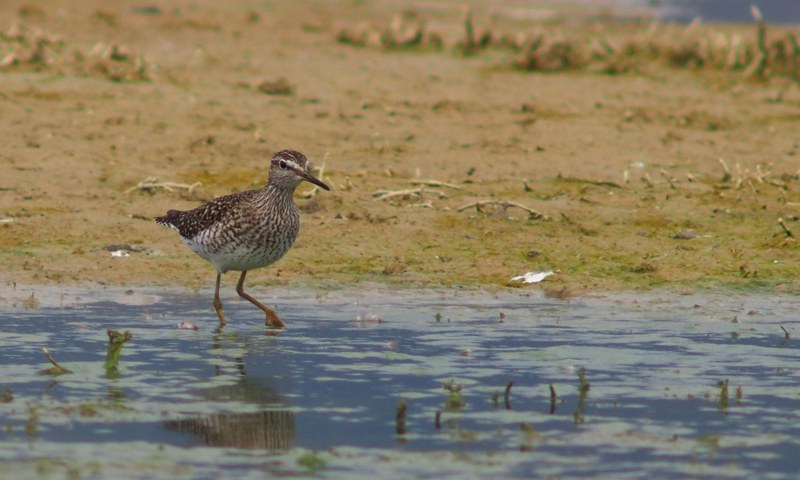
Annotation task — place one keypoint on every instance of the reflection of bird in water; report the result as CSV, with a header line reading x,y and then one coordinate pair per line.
x,y
261,430
249,229
268,429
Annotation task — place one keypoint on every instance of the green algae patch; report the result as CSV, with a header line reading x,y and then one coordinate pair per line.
x,y
311,462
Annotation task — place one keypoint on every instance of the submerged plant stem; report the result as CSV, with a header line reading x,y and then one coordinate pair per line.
x,y
56,369
400,418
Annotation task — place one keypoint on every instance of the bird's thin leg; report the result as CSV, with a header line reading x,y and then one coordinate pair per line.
x,y
217,302
273,320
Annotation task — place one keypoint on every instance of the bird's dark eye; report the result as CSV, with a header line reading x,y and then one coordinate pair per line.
x,y
282,164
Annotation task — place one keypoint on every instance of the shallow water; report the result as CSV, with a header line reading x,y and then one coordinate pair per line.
x,y
709,11
774,11
322,394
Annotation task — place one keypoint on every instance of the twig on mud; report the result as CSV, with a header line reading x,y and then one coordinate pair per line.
x,y
152,183
590,182
386,194
428,204
435,183
786,230
504,204
786,335
57,369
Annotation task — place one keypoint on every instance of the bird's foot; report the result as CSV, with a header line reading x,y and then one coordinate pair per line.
x,y
273,320
220,314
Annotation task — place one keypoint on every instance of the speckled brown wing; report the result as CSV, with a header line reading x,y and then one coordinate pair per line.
x,y
191,222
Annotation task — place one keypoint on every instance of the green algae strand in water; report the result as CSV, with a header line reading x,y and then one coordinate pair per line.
x,y
455,402
115,342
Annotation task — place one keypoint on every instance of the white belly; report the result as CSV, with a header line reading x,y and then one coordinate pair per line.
x,y
241,257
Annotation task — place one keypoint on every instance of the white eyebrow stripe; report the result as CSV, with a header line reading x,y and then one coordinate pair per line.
x,y
294,165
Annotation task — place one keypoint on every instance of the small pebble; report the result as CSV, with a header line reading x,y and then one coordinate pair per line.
x,y
687,235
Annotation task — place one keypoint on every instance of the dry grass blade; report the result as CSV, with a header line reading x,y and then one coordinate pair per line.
x,y
728,175
668,178
428,204
314,191
435,183
759,64
786,229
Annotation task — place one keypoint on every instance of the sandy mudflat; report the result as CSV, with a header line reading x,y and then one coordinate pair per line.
x,y
626,167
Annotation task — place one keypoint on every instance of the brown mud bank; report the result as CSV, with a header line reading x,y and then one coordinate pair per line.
x,y
449,167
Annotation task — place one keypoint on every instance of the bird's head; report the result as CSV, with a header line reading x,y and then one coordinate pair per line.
x,y
289,168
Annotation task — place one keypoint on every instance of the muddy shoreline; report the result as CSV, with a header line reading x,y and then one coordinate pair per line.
x,y
658,177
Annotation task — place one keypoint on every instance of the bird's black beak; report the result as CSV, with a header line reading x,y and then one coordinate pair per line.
x,y
312,179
